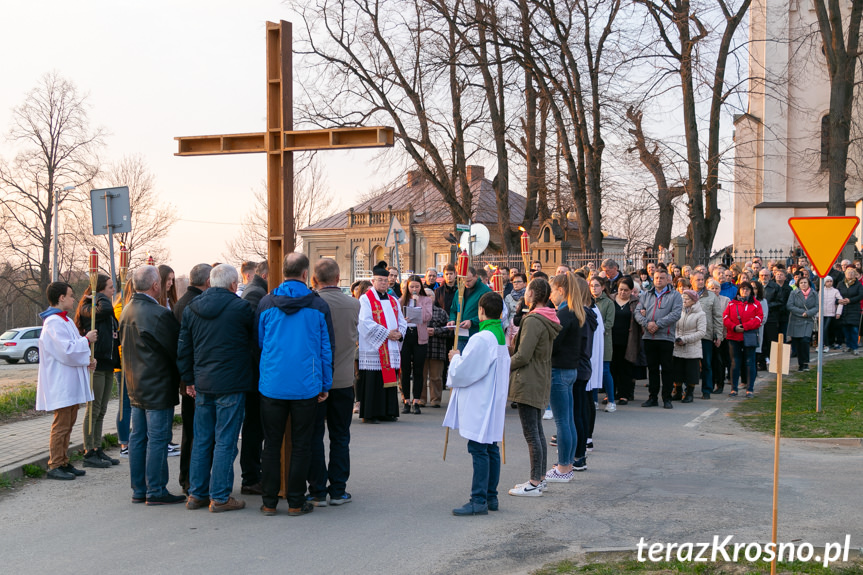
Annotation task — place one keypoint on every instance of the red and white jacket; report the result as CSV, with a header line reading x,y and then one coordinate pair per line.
x,y
748,313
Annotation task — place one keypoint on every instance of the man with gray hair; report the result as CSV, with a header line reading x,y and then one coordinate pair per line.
x,y
612,274
148,334
199,281
214,355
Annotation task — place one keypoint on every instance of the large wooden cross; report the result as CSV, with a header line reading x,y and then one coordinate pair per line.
x,y
279,142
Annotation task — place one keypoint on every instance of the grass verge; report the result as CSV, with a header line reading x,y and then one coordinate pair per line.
x,y
17,402
842,403
666,568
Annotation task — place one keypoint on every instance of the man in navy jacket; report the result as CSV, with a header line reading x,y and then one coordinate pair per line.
x,y
295,334
214,355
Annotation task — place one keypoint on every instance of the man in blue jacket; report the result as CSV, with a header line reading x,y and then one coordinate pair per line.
x,y
214,355
295,334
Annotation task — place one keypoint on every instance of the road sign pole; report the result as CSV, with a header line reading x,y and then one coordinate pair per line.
x,y
108,197
820,346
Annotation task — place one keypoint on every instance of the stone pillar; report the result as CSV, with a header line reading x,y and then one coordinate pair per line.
x,y
679,245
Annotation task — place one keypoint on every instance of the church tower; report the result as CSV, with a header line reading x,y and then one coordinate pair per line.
x,y
780,168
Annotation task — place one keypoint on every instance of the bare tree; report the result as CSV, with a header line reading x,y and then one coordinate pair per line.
x,y
681,30
311,197
151,217
841,56
56,147
651,159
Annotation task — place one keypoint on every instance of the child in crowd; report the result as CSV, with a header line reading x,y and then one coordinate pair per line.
x,y
480,382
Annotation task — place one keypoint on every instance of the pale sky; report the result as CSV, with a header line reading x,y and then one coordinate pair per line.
x,y
155,70
159,69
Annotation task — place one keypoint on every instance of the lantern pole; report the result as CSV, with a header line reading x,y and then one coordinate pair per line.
x,y
94,278
124,268
461,272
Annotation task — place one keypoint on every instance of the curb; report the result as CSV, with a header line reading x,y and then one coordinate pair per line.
x,y
16,470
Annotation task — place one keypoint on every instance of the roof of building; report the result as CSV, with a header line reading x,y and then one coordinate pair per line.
x,y
429,207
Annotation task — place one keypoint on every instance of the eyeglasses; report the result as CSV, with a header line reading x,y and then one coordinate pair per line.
x,y
517,282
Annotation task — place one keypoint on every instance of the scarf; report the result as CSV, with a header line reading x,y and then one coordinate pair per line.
x,y
494,326
806,292
517,294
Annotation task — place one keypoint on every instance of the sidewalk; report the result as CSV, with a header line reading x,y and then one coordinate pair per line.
x,y
26,441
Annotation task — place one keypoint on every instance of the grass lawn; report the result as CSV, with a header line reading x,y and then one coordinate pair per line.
x,y
842,403
664,568
16,402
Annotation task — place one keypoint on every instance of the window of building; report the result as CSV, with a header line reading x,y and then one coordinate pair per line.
x,y
359,263
825,141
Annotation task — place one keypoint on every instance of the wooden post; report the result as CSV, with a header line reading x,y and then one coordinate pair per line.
x,y
461,272
777,435
124,268
94,278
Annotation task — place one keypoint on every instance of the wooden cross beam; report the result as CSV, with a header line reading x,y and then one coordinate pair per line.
x,y
279,142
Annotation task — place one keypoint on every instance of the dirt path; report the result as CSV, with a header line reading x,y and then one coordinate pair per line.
x,y
12,376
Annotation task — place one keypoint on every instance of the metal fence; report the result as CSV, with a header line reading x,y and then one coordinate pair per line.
x,y
629,261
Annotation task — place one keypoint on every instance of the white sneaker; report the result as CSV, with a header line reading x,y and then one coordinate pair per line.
x,y
611,408
526,489
548,414
555,476
543,485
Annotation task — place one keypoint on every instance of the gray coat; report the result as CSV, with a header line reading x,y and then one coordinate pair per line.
x,y
345,312
799,326
664,311
713,309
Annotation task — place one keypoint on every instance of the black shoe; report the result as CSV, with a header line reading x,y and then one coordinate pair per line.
x,y
513,405
253,489
493,505
104,457
59,473
705,396
471,508
92,459
677,394
652,402
406,409
68,468
667,405
417,409
580,464
166,499
687,398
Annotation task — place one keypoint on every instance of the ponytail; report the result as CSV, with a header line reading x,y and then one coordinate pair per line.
x,y
567,282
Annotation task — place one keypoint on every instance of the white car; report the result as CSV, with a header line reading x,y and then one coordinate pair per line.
x,y
20,343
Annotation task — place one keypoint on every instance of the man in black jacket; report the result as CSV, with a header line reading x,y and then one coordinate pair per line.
x,y
214,355
253,433
148,334
199,280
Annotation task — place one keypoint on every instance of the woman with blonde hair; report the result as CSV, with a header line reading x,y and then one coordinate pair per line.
x,y
564,370
582,398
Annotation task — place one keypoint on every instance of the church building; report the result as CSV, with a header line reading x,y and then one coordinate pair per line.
x,y
780,168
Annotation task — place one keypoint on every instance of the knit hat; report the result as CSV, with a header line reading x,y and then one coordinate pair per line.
x,y
380,269
692,295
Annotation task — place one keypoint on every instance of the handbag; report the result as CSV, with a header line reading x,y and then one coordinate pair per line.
x,y
750,337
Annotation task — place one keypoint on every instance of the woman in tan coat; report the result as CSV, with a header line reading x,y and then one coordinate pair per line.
x,y
530,379
690,330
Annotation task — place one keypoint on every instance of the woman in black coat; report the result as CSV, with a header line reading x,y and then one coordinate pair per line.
x,y
851,292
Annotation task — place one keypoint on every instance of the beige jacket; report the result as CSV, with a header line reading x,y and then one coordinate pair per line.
x,y
690,330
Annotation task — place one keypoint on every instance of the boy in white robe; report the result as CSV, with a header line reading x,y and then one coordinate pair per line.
x,y
63,382
479,378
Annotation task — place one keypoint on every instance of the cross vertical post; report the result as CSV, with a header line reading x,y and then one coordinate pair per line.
x,y
280,162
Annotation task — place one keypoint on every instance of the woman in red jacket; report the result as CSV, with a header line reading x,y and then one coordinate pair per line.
x,y
742,318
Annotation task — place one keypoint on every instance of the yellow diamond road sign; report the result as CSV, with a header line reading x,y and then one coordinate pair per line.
x,y
823,238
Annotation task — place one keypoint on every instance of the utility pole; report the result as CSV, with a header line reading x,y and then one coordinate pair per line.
x,y
56,273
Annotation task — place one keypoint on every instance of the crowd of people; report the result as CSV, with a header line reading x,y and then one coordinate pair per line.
x,y
240,359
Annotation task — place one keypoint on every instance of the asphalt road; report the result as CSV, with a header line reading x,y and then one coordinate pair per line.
x,y
650,476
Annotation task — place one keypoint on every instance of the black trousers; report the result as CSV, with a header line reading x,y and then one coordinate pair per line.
x,y
274,417
581,402
187,412
621,373
687,371
253,438
413,362
660,362
335,414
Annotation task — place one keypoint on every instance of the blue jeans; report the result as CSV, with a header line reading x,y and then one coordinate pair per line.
x,y
608,381
851,335
562,381
742,355
218,419
125,410
148,451
486,471
707,367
